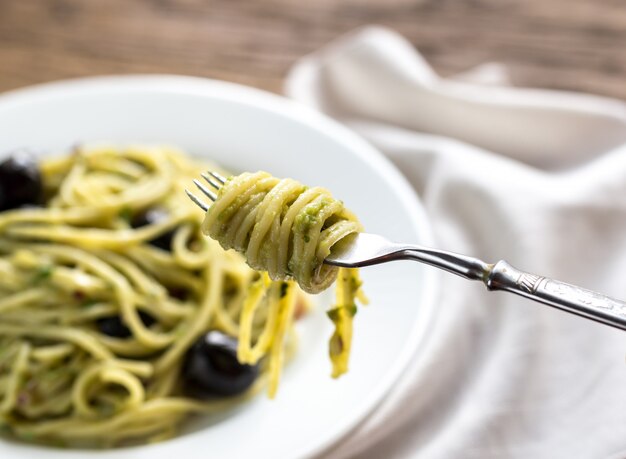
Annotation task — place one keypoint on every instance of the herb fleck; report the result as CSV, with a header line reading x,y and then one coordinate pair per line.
x,y
43,272
88,302
126,214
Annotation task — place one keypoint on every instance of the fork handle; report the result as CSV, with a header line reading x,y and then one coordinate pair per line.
x,y
570,298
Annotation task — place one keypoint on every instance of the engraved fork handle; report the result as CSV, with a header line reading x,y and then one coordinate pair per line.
x,y
503,276
567,297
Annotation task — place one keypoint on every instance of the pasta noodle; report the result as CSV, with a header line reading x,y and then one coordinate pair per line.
x,y
287,229
67,268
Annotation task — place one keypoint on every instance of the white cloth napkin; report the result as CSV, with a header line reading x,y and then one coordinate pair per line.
x,y
534,177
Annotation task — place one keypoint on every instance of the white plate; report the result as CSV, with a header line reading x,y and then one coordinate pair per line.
x,y
246,129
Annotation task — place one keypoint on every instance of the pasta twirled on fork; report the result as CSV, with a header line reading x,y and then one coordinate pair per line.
x,y
288,229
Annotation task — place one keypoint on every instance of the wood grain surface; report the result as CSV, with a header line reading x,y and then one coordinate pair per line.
x,y
567,44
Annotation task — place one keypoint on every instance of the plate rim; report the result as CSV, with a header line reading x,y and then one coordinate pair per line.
x,y
362,149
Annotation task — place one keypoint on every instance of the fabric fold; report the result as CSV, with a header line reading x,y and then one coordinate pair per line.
x,y
376,74
535,177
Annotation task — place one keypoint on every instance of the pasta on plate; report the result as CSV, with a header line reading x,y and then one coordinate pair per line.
x,y
287,229
119,318
107,293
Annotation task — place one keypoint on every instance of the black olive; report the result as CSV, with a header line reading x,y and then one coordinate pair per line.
x,y
20,181
150,217
180,293
113,325
211,368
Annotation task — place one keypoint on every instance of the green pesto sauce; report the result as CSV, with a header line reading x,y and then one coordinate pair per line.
x,y
334,314
309,216
224,214
304,222
43,272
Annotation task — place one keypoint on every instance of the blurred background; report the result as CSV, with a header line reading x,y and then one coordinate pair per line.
x,y
563,44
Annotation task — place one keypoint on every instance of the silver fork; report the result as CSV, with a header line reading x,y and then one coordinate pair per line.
x,y
366,249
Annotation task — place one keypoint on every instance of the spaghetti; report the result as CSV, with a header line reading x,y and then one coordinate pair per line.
x,y
99,304
287,229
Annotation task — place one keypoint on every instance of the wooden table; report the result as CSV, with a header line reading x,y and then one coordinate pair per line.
x,y
568,44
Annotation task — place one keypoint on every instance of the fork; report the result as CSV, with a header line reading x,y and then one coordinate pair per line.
x,y
365,249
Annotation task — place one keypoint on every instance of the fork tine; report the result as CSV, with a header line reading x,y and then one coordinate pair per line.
x,y
208,193
204,206
218,177
208,178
